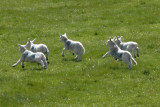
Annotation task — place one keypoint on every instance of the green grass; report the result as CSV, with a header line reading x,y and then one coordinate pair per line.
x,y
93,81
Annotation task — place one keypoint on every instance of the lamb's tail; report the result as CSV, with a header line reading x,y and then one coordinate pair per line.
x,y
134,61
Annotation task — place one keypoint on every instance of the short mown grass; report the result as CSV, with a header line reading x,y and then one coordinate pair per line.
x,y
93,81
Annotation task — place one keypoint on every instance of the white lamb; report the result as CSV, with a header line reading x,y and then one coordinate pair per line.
x,y
119,54
37,47
29,56
129,46
72,46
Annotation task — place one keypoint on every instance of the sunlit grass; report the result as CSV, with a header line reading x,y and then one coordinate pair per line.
x,y
93,81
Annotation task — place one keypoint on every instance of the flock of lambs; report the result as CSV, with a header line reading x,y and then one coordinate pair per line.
x,y
118,49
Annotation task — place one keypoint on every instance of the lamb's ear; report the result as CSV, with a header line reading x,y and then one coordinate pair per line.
x,y
110,39
117,37
34,40
28,39
121,38
65,34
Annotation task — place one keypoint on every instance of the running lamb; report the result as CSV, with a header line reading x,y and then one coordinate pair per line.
x,y
37,47
119,54
72,46
128,46
29,56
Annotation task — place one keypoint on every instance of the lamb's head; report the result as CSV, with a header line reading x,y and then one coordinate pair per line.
x,y
29,43
110,43
21,48
63,38
118,41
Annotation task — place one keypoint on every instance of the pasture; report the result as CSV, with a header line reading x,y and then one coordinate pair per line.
x,y
92,82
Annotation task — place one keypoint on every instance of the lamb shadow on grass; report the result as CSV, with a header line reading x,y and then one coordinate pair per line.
x,y
114,67
34,67
73,60
39,68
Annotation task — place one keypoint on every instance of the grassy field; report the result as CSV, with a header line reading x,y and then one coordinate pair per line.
x,y
92,82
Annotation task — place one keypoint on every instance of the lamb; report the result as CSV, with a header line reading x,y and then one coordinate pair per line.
x,y
29,56
129,46
72,46
37,47
119,54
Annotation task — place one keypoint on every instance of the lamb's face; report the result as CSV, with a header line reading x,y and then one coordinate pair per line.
x,y
21,48
110,43
28,45
118,41
63,38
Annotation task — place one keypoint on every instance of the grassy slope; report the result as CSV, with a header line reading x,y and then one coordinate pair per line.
x,y
93,81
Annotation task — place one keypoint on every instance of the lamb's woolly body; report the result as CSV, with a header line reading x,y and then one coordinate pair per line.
x,y
119,54
128,46
29,56
72,46
75,46
37,47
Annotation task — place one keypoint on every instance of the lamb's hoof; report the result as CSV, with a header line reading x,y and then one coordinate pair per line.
x,y
47,62
134,56
62,55
45,67
129,68
22,66
72,53
137,55
13,66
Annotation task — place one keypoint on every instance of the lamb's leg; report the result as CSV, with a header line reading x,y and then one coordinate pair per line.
x,y
71,52
14,65
47,56
115,58
128,62
137,51
76,57
134,53
45,63
79,57
64,49
22,64
41,62
129,65
105,54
